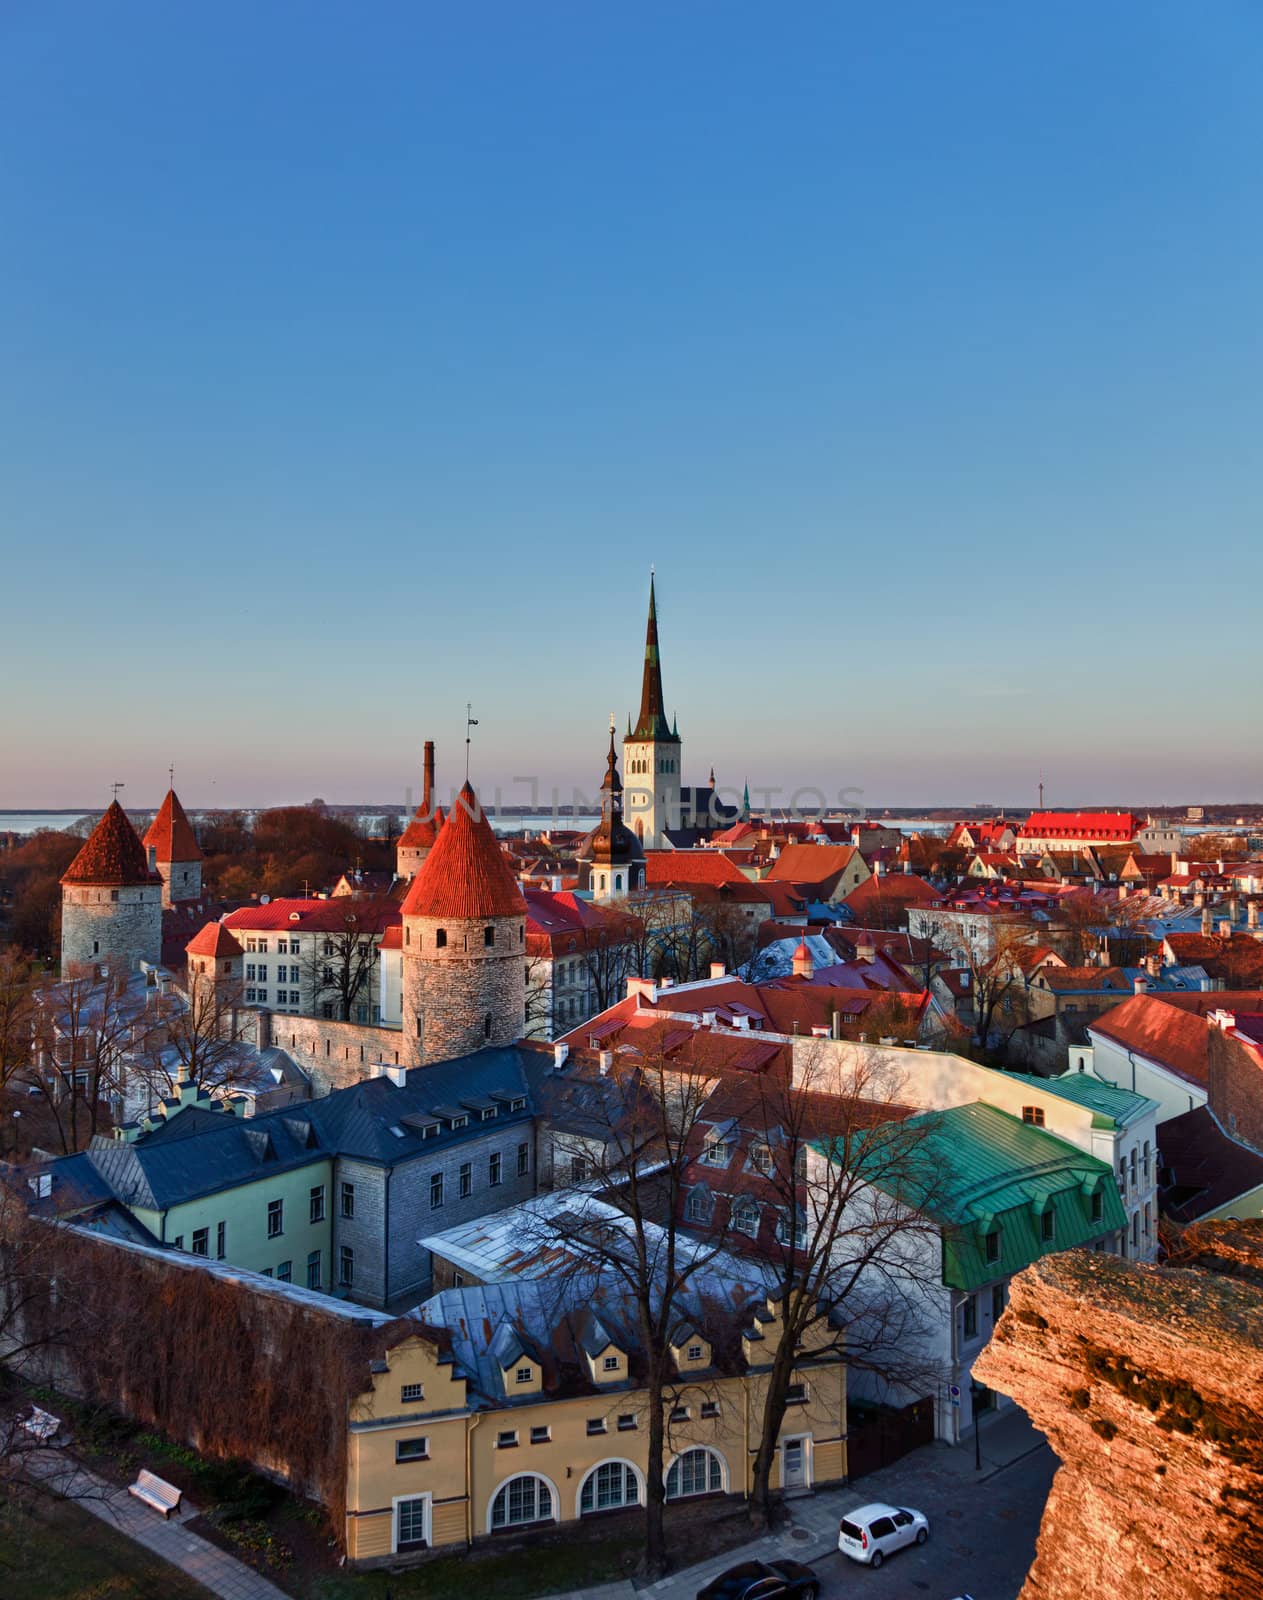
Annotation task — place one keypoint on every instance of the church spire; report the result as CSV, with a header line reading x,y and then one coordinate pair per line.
x,y
653,718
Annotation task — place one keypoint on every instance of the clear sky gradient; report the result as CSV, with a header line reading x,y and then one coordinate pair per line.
x,y
356,362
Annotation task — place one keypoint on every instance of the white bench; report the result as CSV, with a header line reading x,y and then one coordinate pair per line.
x,y
155,1492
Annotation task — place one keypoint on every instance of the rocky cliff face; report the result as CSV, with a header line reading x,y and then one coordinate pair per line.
x,y
1148,1382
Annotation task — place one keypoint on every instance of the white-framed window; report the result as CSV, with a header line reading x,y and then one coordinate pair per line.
x,y
761,1156
609,1487
411,1519
416,1449
697,1207
542,1434
697,1471
745,1216
411,1393
524,1375
610,1364
524,1499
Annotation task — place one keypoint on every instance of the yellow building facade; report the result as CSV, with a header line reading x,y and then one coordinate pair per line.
x,y
432,1463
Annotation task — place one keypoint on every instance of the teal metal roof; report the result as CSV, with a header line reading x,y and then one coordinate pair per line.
x,y
1118,1106
981,1171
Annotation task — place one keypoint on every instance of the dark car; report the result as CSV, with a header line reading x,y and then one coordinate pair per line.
x,y
763,1580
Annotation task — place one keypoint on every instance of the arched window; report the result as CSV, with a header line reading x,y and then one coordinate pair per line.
x,y
440,938
602,880
618,880
521,1500
609,1487
695,1472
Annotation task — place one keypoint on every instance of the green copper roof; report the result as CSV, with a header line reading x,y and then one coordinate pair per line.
x,y
981,1171
1118,1107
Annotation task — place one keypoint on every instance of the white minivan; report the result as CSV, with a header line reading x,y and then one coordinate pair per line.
x,y
874,1532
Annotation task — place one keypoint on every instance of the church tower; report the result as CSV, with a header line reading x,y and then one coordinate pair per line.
x,y
611,859
651,752
417,839
111,901
173,853
464,942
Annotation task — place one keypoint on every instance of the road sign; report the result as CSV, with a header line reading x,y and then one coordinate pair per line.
x,y
953,1389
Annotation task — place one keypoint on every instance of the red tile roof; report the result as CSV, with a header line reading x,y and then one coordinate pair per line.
x,y
113,856
812,863
422,831
665,867
334,915
1118,826
895,889
215,940
169,835
1160,1032
466,874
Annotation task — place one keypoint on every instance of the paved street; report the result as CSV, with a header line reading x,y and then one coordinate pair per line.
x,y
983,1524
982,1540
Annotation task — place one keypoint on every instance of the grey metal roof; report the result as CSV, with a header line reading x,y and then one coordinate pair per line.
x,y
201,1152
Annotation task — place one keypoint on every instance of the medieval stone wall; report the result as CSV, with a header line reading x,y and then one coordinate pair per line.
x,y
97,929
334,1054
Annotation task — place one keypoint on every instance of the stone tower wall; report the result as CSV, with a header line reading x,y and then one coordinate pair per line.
x,y
98,929
181,880
449,992
408,859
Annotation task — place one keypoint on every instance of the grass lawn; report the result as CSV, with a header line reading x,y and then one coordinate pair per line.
x,y
513,1576
54,1550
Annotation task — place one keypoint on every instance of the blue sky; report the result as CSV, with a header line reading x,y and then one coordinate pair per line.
x,y
355,363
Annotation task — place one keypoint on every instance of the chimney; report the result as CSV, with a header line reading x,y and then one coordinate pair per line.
x,y
397,1075
1139,984
1225,929
427,777
819,1030
1208,922
554,883
605,1060
879,868
718,969
1252,914
560,1052
708,1019
865,948
667,983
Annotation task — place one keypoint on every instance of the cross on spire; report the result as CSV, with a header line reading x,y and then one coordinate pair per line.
x,y
116,787
171,776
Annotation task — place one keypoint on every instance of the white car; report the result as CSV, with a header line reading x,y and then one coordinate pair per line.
x,y
874,1532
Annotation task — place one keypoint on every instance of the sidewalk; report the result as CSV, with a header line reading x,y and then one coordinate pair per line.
x,y
812,1532
210,1566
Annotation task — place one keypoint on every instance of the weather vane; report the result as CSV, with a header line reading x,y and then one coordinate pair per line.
x,y
116,787
471,721
171,776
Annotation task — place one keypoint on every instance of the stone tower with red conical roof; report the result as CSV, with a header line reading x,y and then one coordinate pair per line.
x,y
111,901
174,853
417,839
464,942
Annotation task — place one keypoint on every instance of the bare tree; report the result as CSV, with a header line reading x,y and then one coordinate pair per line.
x,y
994,966
343,958
637,1161
200,1035
849,1250
86,1029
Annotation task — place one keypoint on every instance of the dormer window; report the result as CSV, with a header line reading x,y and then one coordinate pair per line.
x,y
1048,1225
524,1375
715,1152
991,1245
745,1217
761,1156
